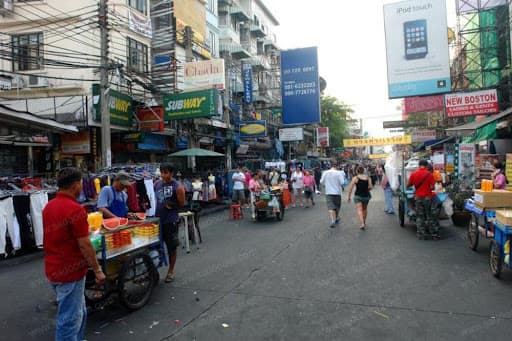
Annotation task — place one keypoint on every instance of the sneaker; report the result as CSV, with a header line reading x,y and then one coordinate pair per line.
x,y
333,225
390,212
337,221
436,237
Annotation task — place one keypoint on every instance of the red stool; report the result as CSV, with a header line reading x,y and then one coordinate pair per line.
x,y
235,212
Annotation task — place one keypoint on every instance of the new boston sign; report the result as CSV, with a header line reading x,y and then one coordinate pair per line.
x,y
189,105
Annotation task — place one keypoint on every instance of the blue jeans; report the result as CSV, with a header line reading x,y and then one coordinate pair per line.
x,y
72,312
388,196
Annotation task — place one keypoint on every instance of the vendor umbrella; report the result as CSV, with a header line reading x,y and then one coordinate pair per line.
x,y
195,152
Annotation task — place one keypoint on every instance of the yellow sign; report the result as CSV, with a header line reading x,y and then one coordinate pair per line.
x,y
378,156
508,167
377,141
253,129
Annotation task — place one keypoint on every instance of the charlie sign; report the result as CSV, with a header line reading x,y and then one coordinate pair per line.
x,y
189,105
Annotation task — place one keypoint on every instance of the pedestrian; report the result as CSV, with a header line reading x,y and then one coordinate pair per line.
x,y
112,199
170,197
255,188
247,193
238,187
423,182
68,254
333,181
499,179
318,176
309,188
298,186
388,193
274,177
363,184
380,173
287,198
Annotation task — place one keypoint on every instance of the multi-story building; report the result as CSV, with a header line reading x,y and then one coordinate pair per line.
x,y
50,51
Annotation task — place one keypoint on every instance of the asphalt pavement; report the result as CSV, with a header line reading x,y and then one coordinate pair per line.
x,y
297,279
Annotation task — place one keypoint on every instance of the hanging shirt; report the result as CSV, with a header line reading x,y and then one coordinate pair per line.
x,y
8,224
150,189
37,203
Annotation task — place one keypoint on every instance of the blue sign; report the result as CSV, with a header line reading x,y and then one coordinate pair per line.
x,y
253,129
300,86
154,142
182,142
247,82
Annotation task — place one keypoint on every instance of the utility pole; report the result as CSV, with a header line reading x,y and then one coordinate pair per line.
x,y
106,152
227,96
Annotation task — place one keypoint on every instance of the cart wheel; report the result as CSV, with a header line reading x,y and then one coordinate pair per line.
x,y
473,234
495,260
95,297
260,215
280,214
136,281
401,213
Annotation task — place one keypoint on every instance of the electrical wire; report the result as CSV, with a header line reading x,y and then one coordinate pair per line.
x,y
51,77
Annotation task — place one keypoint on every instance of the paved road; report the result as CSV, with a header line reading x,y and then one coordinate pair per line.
x,y
296,280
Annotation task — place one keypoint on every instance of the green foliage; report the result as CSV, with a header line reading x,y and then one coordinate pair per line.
x,y
458,191
335,115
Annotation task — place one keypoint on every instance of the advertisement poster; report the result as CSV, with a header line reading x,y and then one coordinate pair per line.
x,y
247,82
189,105
417,48
472,103
300,86
253,129
466,163
76,143
322,137
413,105
204,74
449,155
291,134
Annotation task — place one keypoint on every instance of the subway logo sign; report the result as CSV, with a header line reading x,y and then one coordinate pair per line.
x,y
188,105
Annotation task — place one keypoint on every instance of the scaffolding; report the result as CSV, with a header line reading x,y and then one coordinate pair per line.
x,y
482,58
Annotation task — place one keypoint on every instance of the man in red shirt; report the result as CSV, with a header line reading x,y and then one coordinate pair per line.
x,y
68,253
423,181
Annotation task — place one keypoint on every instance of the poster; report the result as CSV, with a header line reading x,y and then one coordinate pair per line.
x,y
466,163
508,167
322,137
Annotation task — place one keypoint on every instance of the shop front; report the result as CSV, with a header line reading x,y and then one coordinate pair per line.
x,y
139,147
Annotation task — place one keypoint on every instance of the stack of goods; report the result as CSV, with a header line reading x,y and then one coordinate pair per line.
x,y
493,198
146,231
118,239
95,221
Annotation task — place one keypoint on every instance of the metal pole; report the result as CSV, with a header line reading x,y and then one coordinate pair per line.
x,y
227,92
106,152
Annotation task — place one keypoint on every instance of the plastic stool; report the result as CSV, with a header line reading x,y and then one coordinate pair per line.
x,y
235,212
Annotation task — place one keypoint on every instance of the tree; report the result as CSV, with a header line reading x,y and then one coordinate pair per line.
x,y
335,115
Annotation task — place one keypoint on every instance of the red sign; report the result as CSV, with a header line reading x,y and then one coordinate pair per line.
x,y
322,137
472,103
423,104
150,119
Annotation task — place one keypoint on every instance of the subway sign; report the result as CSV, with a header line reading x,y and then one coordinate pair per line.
x,y
119,105
188,105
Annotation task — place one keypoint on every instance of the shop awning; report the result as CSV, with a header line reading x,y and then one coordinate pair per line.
x,y
470,129
8,115
487,132
450,139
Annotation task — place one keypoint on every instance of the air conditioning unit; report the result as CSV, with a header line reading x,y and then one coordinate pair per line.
x,y
35,81
18,82
5,7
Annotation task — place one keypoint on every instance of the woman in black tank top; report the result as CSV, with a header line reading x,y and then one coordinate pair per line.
x,y
362,196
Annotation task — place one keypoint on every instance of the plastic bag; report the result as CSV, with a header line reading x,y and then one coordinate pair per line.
x,y
273,202
448,206
393,167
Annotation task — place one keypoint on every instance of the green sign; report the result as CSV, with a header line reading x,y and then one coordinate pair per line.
x,y
133,137
120,107
190,105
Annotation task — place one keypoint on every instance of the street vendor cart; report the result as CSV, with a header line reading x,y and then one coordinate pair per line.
x,y
269,203
129,256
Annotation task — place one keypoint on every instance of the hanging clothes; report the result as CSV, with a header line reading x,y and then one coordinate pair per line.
x,y
150,189
37,203
133,198
142,194
21,205
7,224
212,191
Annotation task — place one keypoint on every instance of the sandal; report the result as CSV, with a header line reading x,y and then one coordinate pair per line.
x,y
362,227
169,278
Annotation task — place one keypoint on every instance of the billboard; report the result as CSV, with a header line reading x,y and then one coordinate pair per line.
x,y
322,136
189,105
204,74
192,13
291,134
300,86
417,48
413,105
253,129
472,103
247,82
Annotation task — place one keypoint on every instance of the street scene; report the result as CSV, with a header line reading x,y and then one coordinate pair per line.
x,y
255,169
296,279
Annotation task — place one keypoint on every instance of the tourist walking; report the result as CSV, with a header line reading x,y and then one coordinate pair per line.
x,y
423,181
309,188
297,179
239,185
333,181
388,193
68,254
363,184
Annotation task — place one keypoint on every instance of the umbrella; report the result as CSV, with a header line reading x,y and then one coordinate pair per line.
x,y
195,152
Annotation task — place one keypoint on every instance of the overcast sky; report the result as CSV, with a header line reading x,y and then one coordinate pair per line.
x,y
351,47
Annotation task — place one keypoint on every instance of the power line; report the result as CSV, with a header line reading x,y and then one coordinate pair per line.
x,y
51,77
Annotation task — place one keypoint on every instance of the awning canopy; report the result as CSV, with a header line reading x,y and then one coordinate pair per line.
x,y
8,115
487,132
469,129
449,139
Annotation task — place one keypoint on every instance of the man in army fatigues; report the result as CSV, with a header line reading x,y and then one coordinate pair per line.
x,y
423,181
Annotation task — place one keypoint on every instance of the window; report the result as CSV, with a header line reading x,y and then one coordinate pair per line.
x,y
211,6
137,56
212,43
163,22
139,5
27,51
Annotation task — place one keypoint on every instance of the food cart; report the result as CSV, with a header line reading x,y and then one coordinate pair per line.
x,y
129,255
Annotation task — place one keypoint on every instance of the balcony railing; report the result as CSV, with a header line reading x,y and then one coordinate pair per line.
x,y
239,12
260,63
257,31
236,50
228,33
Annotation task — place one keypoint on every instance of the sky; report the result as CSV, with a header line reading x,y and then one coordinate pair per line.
x,y
350,38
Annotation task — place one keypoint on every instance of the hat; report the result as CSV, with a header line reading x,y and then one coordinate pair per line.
x,y
124,178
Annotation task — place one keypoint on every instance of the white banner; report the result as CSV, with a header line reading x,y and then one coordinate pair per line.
x,y
140,24
423,135
204,74
291,134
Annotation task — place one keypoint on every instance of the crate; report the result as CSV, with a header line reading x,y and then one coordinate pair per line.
x,y
504,217
496,198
